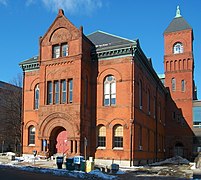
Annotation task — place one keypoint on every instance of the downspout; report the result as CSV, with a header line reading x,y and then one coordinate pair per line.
x,y
156,116
22,113
132,107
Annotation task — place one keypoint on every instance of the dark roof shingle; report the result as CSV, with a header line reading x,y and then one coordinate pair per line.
x,y
177,24
103,39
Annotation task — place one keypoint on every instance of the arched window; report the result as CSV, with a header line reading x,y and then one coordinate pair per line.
x,y
36,97
31,135
140,94
178,48
118,136
101,136
109,91
173,84
183,85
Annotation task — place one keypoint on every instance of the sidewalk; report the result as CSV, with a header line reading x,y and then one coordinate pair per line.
x,y
41,163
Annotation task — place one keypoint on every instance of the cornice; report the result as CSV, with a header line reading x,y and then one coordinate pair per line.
x,y
30,66
110,53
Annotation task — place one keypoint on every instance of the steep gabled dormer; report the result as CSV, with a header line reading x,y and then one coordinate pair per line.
x,y
61,40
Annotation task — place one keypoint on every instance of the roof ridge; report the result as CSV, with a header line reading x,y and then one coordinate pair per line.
x,y
116,36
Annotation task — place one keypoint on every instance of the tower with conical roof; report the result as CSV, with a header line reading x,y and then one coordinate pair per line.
x,y
179,64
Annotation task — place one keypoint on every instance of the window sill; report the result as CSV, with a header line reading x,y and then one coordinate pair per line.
x,y
114,105
31,145
118,148
101,148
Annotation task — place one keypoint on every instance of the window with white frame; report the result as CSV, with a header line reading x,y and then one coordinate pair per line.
x,y
49,92
183,85
109,91
64,48
60,50
31,135
56,92
178,48
63,91
56,51
70,90
36,97
118,136
173,84
101,136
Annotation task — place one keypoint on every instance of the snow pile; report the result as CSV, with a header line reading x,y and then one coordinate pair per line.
x,y
101,175
10,154
174,160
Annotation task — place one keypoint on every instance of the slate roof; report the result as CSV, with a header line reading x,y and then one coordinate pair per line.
x,y
102,39
177,24
31,60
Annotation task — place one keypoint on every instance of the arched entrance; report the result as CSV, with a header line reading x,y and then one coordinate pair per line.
x,y
179,149
58,141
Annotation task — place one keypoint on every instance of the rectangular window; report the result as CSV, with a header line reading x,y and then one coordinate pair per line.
x,y
31,138
107,94
56,51
101,141
118,136
70,91
118,141
63,91
49,92
64,48
113,93
56,92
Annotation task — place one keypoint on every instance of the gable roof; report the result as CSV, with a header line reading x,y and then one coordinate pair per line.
x,y
102,39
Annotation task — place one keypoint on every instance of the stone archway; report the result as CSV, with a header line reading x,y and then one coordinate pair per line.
x,y
61,134
58,141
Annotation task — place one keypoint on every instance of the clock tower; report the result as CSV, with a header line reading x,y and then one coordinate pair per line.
x,y
179,65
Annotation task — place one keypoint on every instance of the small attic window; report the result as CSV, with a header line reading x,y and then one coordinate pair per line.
x,y
60,50
178,48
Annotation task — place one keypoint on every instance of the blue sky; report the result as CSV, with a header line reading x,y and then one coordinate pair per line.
x,y
22,22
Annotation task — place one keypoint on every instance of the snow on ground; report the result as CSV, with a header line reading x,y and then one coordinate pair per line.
x,y
102,175
95,174
174,160
26,163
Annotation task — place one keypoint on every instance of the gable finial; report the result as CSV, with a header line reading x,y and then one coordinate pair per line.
x,y
178,14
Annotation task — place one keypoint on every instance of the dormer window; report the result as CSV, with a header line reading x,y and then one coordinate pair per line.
x,y
178,48
60,50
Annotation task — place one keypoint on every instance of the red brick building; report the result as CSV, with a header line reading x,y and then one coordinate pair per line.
x,y
99,95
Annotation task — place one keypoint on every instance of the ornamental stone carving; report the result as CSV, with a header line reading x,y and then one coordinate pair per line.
x,y
60,35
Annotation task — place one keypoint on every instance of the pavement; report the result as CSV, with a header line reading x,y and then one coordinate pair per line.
x,y
132,173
